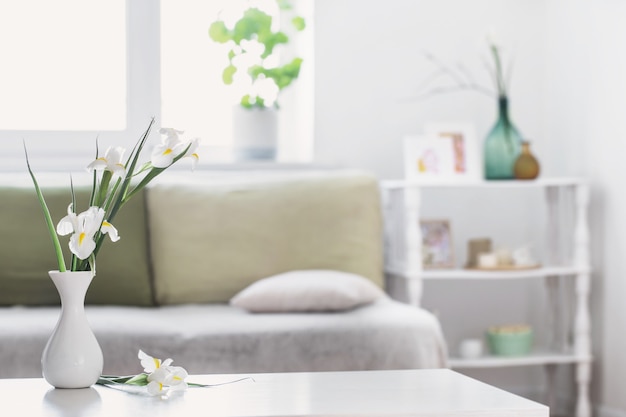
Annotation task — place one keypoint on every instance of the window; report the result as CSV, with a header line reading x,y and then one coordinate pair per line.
x,y
74,70
192,91
63,66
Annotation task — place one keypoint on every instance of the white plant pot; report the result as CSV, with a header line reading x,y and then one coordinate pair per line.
x,y
255,133
72,357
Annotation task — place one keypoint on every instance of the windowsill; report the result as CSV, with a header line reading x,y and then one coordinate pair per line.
x,y
212,158
180,173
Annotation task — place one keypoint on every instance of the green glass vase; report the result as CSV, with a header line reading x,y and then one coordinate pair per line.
x,y
502,145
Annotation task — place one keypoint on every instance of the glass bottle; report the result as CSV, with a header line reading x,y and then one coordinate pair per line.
x,y
526,166
502,145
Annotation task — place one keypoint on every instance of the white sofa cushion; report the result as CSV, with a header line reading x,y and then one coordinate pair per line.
x,y
310,290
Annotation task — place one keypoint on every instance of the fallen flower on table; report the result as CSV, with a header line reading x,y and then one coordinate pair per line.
x,y
160,377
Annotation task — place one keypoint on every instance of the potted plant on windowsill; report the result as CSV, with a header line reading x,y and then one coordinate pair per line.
x,y
253,66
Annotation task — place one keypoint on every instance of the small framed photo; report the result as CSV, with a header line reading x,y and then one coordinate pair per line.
x,y
466,160
437,245
428,158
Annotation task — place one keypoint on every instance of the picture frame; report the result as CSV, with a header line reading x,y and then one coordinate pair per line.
x,y
437,244
428,158
467,166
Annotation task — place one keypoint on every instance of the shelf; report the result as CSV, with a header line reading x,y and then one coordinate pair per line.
x,y
441,274
536,358
566,231
538,183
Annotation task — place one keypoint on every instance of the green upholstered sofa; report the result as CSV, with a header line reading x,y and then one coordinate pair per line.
x,y
191,242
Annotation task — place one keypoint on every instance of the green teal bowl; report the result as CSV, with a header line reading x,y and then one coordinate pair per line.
x,y
510,343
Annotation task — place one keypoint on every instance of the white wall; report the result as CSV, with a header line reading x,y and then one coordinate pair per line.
x,y
606,146
568,95
369,60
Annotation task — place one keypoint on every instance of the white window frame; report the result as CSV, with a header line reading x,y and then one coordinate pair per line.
x,y
70,150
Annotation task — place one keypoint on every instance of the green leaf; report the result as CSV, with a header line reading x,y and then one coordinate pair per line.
x,y
120,197
120,380
270,40
256,70
284,4
47,216
141,379
245,102
228,73
299,23
253,24
153,173
103,188
219,32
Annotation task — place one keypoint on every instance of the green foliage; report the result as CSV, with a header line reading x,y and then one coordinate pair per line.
x,y
256,25
299,23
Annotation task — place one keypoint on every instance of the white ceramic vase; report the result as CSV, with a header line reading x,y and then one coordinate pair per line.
x,y
72,357
255,133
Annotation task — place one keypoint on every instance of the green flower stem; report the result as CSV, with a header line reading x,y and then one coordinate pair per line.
x,y
103,188
142,380
118,196
154,172
131,164
499,77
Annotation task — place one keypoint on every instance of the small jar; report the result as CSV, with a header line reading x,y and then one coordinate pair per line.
x,y
471,348
526,166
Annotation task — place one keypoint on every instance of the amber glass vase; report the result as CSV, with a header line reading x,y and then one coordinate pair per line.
x,y
502,145
526,166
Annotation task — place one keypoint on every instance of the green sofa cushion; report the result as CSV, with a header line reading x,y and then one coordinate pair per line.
x,y
27,253
209,241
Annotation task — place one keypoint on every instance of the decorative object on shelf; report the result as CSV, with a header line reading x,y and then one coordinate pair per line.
x,y
504,257
510,340
72,357
482,257
471,348
475,247
487,260
522,256
437,250
466,160
428,159
253,67
495,261
159,378
502,144
72,342
526,165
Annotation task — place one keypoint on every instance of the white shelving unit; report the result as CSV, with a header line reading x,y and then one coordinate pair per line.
x,y
402,201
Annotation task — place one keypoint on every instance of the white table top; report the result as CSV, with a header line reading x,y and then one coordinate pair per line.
x,y
424,393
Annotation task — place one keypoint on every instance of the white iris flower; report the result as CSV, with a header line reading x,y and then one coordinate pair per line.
x,y
85,226
170,147
151,364
191,152
111,161
162,377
